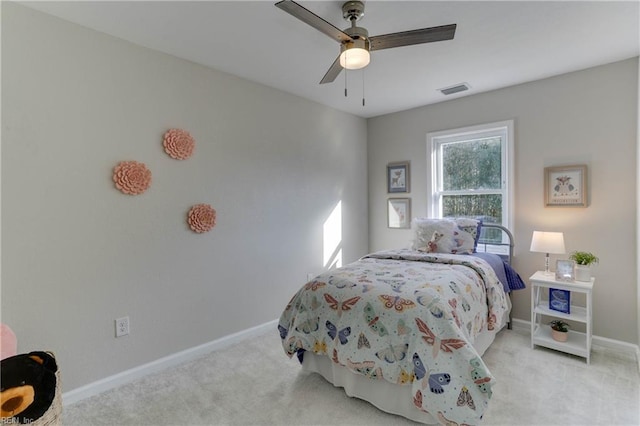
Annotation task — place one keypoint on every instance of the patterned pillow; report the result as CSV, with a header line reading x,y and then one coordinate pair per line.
x,y
455,236
471,226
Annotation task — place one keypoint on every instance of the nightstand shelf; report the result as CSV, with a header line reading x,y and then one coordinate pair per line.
x,y
578,343
578,313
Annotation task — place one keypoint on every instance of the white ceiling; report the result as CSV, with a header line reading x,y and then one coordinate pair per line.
x,y
497,44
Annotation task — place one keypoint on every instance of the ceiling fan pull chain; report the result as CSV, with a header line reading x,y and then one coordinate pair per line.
x,y
362,86
346,58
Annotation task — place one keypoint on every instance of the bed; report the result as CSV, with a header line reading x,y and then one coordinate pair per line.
x,y
405,329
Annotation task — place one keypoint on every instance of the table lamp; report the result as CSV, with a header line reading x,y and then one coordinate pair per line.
x,y
547,242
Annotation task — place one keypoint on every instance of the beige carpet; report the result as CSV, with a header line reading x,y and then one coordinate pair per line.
x,y
256,384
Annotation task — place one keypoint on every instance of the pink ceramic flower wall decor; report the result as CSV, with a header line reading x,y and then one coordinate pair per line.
x,y
202,217
131,177
178,143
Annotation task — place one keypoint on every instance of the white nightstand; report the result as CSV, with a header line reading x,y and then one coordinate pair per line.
x,y
578,343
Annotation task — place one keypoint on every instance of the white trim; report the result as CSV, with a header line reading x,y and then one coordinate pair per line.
x,y
506,128
638,213
127,376
603,342
132,374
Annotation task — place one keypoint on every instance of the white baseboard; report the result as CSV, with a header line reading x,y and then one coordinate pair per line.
x,y
127,376
520,325
603,342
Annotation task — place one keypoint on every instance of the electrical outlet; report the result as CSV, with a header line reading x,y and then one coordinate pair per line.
x,y
122,326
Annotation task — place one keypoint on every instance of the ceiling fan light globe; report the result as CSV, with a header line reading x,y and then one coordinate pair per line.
x,y
355,58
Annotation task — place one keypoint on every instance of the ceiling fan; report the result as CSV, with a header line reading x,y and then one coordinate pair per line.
x,y
355,43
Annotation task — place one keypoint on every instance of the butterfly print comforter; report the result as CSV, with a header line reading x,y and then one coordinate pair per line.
x,y
406,317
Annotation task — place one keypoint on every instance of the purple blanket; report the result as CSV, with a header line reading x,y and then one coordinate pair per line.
x,y
506,274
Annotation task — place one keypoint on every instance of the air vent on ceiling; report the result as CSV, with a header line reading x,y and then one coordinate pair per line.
x,y
454,89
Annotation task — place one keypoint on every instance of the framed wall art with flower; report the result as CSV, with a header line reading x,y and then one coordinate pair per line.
x,y
565,186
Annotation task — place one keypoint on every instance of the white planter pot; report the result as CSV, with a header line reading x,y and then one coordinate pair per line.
x,y
583,273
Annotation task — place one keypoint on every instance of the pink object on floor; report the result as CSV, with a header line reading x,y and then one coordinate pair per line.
x,y
8,342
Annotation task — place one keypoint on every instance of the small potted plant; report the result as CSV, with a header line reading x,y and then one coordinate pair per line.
x,y
559,330
583,260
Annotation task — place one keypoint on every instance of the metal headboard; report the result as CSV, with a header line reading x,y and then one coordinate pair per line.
x,y
486,241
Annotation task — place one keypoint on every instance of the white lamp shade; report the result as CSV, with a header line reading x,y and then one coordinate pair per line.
x,y
354,58
547,242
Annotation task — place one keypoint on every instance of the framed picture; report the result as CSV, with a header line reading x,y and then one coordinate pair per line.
x,y
398,177
560,300
565,186
564,270
399,213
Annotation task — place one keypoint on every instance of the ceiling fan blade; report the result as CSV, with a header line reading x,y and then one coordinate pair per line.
x,y
333,72
407,38
312,19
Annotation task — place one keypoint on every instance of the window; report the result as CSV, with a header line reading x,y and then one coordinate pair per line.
x,y
472,173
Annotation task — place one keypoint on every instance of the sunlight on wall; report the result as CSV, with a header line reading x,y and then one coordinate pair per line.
x,y
332,238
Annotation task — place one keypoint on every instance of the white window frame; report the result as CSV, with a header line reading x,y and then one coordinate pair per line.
x,y
504,129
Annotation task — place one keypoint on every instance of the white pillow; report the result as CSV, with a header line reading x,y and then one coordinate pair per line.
x,y
455,236
430,235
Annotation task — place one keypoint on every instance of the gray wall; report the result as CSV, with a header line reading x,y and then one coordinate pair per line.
x,y
77,253
587,117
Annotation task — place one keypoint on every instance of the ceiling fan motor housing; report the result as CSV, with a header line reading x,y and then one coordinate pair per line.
x,y
361,43
360,39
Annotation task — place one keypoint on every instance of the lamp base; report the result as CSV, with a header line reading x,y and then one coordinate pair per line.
x,y
546,265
